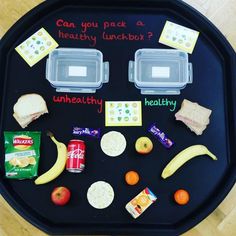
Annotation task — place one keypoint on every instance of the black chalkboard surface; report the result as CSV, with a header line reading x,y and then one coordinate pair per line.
x,y
90,24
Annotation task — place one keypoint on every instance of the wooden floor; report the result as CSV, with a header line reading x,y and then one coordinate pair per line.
x,y
222,222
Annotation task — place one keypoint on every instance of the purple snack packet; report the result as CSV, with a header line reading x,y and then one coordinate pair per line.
x,y
86,132
160,136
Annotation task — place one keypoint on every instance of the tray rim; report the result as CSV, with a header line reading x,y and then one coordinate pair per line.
x,y
148,4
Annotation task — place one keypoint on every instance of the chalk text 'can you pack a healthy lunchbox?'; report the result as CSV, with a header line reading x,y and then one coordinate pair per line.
x,y
92,31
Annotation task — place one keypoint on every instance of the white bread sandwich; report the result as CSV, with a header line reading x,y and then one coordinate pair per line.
x,y
193,115
28,108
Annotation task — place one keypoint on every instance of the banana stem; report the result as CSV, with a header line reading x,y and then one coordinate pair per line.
x,y
50,134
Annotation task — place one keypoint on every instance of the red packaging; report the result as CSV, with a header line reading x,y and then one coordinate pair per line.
x,y
76,156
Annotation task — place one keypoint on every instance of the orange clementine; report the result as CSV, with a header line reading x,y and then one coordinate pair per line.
x,y
131,177
181,196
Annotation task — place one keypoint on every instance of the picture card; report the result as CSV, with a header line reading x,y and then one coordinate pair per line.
x,y
179,37
123,113
36,47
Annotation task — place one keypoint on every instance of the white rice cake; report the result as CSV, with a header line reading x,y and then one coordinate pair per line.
x,y
100,195
113,143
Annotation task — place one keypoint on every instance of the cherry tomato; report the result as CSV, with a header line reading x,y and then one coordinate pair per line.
x,y
181,197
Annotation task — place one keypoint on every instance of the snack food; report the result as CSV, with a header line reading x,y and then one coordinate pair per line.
x,y
76,156
100,195
143,145
140,203
60,196
113,143
22,152
161,136
59,165
181,197
184,156
28,108
132,177
86,132
193,115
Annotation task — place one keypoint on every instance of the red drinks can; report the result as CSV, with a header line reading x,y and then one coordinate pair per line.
x,y
76,156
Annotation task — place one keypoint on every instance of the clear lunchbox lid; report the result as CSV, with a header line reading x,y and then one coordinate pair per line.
x,y
162,71
77,70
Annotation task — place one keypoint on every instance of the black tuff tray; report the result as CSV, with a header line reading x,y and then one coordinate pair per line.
x,y
213,86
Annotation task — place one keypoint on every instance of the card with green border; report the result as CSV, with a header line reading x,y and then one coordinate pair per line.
x,y
36,47
123,113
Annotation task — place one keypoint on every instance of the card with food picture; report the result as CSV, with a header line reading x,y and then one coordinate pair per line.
x,y
179,37
123,113
36,47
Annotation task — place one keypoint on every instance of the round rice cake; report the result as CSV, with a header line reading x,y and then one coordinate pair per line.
x,y
113,143
100,195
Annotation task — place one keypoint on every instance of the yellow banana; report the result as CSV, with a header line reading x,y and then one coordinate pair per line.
x,y
184,156
59,165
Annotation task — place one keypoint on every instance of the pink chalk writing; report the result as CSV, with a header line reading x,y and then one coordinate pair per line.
x,y
149,35
66,24
112,24
123,37
87,25
93,31
140,23
84,100
81,37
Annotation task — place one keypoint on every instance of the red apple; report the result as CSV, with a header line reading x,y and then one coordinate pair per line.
x,y
60,196
143,145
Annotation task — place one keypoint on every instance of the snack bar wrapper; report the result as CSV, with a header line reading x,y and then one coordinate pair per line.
x,y
86,132
140,203
161,136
